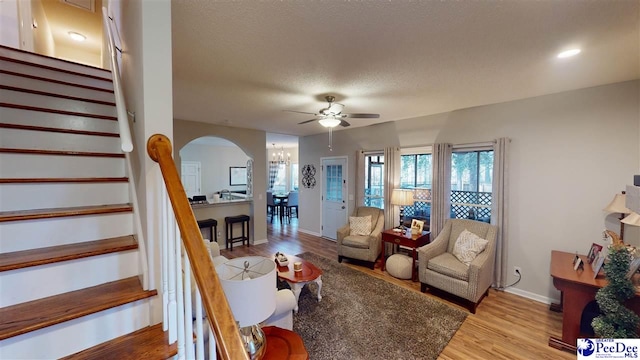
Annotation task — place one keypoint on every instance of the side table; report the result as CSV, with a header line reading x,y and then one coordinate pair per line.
x,y
407,240
284,344
298,279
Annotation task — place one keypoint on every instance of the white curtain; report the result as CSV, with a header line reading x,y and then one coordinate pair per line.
x,y
441,192
500,208
273,173
360,178
391,181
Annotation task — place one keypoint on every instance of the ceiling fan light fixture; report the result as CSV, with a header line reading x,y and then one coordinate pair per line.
x,y
329,122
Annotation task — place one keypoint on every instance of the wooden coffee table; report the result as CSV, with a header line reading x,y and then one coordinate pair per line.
x,y
298,279
284,344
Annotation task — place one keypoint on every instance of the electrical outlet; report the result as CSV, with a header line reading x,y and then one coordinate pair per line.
x,y
517,271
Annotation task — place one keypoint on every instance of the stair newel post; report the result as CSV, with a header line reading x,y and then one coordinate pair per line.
x,y
164,237
229,344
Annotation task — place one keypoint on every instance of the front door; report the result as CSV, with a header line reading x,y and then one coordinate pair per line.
x,y
334,196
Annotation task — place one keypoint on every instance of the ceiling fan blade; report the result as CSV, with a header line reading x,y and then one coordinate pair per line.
x,y
363,116
308,121
300,112
344,123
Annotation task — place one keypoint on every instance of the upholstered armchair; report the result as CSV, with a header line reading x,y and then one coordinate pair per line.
x,y
440,268
362,245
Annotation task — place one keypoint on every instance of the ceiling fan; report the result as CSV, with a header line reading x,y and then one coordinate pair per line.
x,y
332,115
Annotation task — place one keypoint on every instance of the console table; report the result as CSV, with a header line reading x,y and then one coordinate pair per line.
x,y
578,288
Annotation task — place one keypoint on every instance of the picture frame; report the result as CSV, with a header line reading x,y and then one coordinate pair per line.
x,y
593,252
416,226
597,263
578,264
237,175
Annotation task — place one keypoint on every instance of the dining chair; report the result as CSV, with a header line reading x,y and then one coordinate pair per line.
x,y
272,207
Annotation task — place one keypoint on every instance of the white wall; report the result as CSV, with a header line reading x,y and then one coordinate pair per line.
x,y
9,34
214,164
145,28
570,153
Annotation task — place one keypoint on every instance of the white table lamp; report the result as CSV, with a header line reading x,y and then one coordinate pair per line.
x,y
402,198
249,284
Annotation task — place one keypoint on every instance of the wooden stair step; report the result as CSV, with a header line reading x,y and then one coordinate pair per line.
x,y
76,73
63,212
55,111
38,92
60,152
57,130
40,78
37,314
62,180
53,254
148,343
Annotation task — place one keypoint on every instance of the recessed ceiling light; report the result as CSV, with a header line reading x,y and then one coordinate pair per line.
x,y
77,36
569,53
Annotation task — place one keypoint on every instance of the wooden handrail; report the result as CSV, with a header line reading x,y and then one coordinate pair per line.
x,y
227,334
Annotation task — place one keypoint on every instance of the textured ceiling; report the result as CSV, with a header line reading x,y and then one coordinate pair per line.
x,y
241,63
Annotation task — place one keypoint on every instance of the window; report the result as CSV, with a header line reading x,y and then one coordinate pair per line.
x,y
280,183
471,179
416,173
374,180
294,176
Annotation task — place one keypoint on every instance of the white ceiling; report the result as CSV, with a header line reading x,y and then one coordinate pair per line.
x,y
243,63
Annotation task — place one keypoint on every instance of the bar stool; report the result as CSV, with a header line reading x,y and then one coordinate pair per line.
x,y
212,224
243,220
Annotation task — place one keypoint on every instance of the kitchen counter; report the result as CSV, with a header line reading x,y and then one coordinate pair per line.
x,y
221,209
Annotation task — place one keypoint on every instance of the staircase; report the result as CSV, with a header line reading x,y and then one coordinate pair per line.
x,y
70,265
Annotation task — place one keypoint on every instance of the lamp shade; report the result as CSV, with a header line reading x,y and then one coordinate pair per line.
x,y
618,205
632,219
249,283
402,197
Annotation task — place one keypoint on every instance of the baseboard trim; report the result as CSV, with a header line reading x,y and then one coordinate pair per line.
x,y
261,241
309,232
532,296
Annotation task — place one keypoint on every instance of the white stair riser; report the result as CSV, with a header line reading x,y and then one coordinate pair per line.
x,y
46,140
33,234
54,88
42,281
50,102
30,165
56,63
47,119
73,336
55,75
14,197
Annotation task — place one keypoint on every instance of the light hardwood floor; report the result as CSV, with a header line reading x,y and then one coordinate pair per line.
x,y
505,326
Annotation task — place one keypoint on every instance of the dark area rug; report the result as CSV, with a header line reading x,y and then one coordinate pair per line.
x,y
363,317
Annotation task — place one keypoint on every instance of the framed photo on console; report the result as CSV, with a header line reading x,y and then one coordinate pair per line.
x,y
593,252
597,263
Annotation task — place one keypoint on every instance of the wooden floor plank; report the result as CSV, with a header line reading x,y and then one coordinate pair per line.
x,y
53,254
33,315
505,326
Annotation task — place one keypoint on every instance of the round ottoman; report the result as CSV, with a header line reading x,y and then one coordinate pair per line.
x,y
399,266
